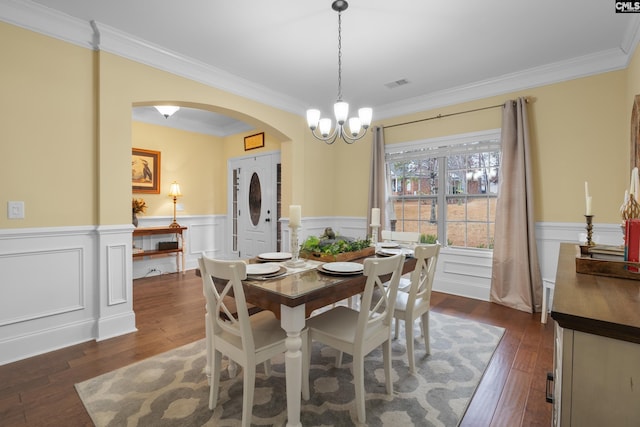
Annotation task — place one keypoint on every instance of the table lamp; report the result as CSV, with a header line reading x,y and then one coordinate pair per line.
x,y
174,192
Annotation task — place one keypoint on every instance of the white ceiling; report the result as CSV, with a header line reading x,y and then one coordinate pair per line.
x,y
445,50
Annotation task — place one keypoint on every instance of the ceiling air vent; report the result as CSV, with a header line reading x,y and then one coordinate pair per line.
x,y
397,83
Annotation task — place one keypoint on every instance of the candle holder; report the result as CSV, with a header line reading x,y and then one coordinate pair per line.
x,y
295,261
589,227
374,234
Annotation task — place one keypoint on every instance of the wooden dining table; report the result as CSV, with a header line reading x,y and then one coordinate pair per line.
x,y
292,298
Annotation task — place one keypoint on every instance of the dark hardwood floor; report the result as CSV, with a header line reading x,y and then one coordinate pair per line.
x,y
39,391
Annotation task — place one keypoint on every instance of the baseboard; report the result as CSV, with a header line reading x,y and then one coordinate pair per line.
x,y
45,340
113,326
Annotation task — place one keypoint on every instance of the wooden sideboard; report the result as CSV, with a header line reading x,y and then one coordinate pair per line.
x,y
596,378
178,232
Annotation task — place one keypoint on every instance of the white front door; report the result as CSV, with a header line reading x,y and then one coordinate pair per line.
x,y
255,211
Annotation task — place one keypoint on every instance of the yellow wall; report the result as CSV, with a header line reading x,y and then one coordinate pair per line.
x,y
193,160
66,137
47,130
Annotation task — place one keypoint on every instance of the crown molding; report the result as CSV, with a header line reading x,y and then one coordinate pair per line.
x,y
35,17
127,46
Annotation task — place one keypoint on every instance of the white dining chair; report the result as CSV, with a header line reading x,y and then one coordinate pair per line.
x,y
247,340
230,304
359,332
406,239
415,303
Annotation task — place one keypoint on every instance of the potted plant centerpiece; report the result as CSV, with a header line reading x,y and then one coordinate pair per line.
x,y
332,248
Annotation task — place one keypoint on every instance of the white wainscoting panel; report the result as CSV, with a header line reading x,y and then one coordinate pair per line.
x,y
115,297
53,292
117,274
465,272
32,273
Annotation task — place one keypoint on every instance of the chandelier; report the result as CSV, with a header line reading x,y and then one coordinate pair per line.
x,y
357,126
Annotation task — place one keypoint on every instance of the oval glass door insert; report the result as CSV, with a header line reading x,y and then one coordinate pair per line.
x,y
255,199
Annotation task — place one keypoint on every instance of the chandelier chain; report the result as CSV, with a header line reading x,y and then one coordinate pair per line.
x,y
339,56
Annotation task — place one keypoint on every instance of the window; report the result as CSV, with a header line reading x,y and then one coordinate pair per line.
x,y
446,189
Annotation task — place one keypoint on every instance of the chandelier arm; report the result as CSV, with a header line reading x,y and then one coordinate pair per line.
x,y
350,140
330,139
339,132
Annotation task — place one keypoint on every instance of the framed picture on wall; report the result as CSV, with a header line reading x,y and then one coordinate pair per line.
x,y
254,141
145,171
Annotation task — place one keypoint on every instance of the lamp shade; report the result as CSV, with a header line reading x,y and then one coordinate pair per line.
x,y
174,190
365,115
313,116
324,126
354,126
341,111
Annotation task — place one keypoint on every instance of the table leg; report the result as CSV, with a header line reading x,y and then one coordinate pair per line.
x,y
182,252
292,321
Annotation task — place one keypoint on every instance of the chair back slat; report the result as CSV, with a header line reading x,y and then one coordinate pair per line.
x,y
382,310
423,274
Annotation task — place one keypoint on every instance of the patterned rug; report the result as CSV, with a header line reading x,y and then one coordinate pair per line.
x,y
171,389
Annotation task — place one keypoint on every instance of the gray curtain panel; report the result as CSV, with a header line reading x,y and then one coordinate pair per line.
x,y
377,184
516,280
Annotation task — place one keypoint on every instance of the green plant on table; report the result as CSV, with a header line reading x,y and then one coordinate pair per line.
x,y
333,246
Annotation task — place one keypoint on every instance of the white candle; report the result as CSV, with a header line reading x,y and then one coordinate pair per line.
x,y
295,214
636,184
586,189
375,217
587,198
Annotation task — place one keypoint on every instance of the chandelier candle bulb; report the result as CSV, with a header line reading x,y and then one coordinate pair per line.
x,y
295,215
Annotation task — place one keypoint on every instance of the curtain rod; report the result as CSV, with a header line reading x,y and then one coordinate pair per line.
x,y
441,116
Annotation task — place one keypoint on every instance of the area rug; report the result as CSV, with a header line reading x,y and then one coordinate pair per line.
x,y
171,389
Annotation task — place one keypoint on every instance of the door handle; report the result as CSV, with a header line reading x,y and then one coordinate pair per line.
x,y
267,220
549,388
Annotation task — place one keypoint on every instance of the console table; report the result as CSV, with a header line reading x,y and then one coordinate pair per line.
x,y
596,347
152,231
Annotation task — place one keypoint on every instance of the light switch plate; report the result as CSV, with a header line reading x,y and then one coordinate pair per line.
x,y
15,210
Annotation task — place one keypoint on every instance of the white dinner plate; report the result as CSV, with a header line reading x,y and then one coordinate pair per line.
x,y
275,256
343,267
266,268
392,251
389,245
